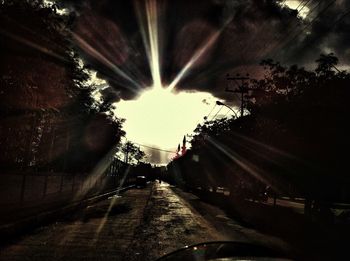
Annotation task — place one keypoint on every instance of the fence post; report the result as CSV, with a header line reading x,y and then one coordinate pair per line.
x,y
73,183
61,185
45,185
23,188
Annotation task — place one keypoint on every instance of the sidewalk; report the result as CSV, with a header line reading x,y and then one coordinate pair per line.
x,y
24,219
296,206
102,231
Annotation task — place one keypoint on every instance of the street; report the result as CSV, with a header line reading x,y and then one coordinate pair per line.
x,y
141,224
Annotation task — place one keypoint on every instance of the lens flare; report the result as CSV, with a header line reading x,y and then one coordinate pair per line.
x,y
96,174
244,164
160,117
111,205
97,55
150,38
152,22
198,54
33,45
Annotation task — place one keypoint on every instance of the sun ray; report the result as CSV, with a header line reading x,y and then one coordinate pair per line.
x,y
144,36
209,42
111,205
152,22
33,45
96,173
265,146
96,54
199,53
238,160
151,38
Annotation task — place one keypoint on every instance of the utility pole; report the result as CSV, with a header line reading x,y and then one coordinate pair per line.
x,y
242,89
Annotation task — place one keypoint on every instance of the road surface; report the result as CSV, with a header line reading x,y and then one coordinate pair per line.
x,y
141,224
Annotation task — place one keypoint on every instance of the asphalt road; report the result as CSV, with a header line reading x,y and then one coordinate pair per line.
x,y
229,228
141,224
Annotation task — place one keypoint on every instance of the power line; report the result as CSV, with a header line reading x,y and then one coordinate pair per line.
x,y
211,111
280,39
318,15
217,113
153,148
304,5
312,21
300,4
206,117
283,42
290,31
341,18
346,13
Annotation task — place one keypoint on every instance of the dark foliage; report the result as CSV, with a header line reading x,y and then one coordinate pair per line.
x,y
294,140
49,120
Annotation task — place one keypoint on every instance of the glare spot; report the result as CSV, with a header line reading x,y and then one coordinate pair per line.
x,y
60,11
95,80
161,118
294,4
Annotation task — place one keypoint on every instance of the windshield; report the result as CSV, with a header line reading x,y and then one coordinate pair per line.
x,y
131,129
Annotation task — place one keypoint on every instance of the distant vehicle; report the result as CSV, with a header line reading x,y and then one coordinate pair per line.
x,y
220,190
141,181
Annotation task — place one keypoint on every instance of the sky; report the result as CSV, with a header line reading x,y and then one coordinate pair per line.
x,y
164,63
160,119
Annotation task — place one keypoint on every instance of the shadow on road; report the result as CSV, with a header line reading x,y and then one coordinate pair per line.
x,y
98,211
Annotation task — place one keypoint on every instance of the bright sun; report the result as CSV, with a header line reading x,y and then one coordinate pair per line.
x,y
161,118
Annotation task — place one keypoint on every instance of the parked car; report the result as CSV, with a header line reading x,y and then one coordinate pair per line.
x,y
141,181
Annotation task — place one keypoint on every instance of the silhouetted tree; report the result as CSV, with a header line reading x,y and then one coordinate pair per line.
x,y
49,119
294,140
132,152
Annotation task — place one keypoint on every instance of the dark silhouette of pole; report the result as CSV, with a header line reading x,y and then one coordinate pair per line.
x,y
242,89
